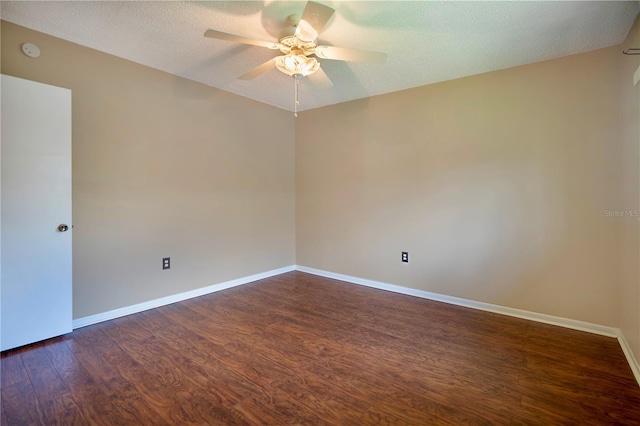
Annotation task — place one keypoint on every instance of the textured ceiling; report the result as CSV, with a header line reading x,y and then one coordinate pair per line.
x,y
427,41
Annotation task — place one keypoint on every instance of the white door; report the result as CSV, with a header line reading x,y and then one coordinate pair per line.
x,y
35,149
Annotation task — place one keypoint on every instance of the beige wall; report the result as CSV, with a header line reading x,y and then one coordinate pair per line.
x,y
496,185
630,231
164,167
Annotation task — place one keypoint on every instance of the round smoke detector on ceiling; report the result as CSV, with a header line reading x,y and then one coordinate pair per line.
x,y
31,50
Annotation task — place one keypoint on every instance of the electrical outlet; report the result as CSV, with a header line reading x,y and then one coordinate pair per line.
x,y
166,263
405,256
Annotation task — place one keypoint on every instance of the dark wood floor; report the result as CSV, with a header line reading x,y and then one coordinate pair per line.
x,y
299,349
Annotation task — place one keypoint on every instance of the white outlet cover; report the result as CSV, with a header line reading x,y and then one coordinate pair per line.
x,y
636,76
31,50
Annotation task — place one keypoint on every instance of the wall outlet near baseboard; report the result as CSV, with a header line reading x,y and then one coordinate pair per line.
x,y
166,263
405,256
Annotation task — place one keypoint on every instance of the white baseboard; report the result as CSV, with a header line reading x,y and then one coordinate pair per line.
x,y
519,313
633,362
128,310
533,316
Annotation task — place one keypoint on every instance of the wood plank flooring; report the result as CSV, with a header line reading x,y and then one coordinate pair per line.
x,y
300,349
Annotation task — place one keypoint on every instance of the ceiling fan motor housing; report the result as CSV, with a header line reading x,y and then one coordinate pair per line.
x,y
292,44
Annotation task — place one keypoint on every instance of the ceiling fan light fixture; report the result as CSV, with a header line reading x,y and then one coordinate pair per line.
x,y
297,65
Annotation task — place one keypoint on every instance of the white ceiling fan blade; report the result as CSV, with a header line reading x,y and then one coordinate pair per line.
x,y
352,55
239,39
320,79
314,18
260,69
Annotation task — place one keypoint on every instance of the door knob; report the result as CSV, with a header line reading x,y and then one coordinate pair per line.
x,y
63,228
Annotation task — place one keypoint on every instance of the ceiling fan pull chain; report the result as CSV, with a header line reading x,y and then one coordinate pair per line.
x,y
295,94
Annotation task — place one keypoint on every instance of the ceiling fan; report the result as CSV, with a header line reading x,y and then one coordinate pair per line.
x,y
301,49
